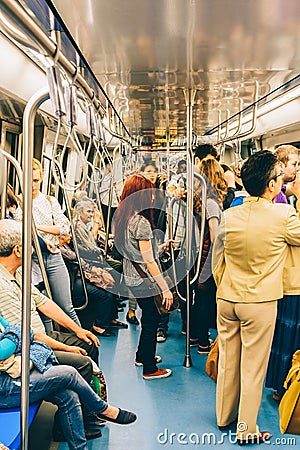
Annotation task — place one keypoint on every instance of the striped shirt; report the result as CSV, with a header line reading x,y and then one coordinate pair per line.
x,y
11,299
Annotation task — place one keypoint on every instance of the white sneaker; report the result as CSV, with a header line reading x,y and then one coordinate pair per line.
x,y
161,336
157,359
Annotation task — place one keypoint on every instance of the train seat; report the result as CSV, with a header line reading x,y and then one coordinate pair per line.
x,y
10,428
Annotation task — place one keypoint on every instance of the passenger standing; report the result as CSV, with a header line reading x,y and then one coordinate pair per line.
x,y
111,187
51,223
287,330
204,309
249,257
134,240
288,157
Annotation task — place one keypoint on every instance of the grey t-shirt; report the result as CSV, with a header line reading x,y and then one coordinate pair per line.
x,y
212,210
139,229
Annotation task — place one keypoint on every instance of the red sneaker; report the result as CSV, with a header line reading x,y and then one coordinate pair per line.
x,y
160,373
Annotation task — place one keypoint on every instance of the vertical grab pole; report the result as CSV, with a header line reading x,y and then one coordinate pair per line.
x,y
28,147
189,100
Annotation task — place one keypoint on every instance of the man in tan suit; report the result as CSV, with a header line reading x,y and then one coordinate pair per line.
x,y
248,259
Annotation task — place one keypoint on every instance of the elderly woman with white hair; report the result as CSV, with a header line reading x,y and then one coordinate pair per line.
x,y
84,218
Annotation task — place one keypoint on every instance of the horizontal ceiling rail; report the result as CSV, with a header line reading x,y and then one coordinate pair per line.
x,y
30,27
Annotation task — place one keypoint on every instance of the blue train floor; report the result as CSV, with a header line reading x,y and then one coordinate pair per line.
x,y
173,413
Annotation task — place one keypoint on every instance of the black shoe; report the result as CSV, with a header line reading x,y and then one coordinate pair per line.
x,y
92,422
133,319
225,427
123,418
105,333
58,434
118,324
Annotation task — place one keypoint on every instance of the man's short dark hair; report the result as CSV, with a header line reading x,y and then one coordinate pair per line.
x,y
181,162
203,150
257,172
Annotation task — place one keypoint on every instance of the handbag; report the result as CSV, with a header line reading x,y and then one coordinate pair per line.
x,y
98,384
12,366
289,407
211,366
156,292
93,276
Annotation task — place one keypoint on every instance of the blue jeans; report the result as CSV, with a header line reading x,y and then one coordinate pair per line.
x,y
59,281
63,386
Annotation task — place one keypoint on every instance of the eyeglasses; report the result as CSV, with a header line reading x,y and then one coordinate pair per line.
x,y
278,175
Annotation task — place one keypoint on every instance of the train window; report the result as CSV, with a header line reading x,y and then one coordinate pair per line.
x,y
10,142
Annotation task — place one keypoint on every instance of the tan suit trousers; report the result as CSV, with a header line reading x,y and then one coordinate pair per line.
x,y
245,339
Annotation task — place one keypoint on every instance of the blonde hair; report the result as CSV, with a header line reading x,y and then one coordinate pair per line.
x,y
36,165
217,188
283,152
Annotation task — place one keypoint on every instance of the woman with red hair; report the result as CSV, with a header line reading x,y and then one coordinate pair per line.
x,y
134,240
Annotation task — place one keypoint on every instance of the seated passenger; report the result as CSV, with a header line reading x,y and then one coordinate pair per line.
x,y
101,308
60,385
70,348
90,252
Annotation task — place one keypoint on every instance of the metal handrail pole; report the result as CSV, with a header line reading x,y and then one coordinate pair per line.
x,y
28,150
170,233
189,95
18,170
4,192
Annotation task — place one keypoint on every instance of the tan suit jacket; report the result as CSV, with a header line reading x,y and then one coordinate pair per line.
x,y
250,250
291,272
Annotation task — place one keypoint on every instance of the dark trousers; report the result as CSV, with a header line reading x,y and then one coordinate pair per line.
x,y
204,311
149,322
101,308
79,362
105,215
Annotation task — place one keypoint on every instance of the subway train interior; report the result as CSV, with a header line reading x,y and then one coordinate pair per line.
x,y
98,91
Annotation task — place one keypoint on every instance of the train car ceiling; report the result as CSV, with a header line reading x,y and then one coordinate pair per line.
x,y
145,55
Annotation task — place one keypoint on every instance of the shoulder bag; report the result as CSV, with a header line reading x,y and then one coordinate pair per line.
x,y
12,366
211,366
156,292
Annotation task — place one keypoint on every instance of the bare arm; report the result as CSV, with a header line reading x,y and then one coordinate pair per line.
x,y
213,225
153,269
55,345
51,229
54,312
